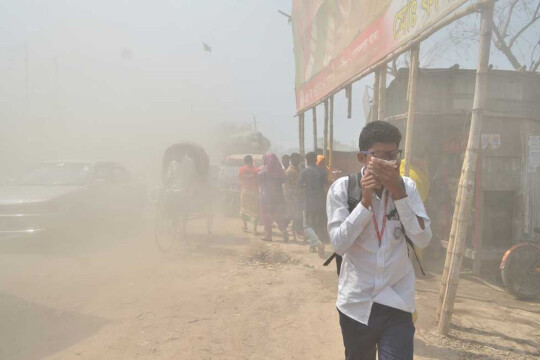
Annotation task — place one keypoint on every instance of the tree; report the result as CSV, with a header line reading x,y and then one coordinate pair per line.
x,y
516,35
513,20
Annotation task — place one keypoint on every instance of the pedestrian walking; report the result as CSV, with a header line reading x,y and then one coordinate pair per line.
x,y
249,194
376,283
321,161
273,208
313,182
294,196
285,161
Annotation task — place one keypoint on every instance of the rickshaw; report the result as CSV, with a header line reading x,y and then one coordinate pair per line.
x,y
185,194
520,268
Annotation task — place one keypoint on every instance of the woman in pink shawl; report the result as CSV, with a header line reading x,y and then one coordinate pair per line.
x,y
273,208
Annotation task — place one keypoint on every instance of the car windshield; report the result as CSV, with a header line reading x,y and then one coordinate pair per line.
x,y
56,174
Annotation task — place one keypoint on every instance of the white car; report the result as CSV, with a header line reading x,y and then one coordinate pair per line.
x,y
59,195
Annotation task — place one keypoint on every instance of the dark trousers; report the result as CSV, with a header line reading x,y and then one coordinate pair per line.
x,y
316,219
389,330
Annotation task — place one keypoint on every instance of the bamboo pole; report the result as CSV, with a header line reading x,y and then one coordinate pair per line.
x,y
375,102
331,139
382,91
478,217
325,130
411,95
449,251
302,148
469,167
314,112
348,94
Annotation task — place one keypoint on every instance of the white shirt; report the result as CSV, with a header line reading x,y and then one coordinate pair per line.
x,y
370,273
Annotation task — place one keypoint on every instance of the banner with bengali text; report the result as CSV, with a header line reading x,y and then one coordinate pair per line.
x,y
335,40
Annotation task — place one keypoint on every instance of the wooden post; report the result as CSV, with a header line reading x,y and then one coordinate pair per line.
x,y
382,91
348,94
325,131
449,251
331,139
301,146
466,182
314,112
478,220
375,102
411,114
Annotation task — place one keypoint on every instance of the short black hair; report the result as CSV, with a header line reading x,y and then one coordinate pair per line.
x,y
295,159
378,132
248,159
311,158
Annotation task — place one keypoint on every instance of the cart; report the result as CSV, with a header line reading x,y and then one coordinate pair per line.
x,y
185,194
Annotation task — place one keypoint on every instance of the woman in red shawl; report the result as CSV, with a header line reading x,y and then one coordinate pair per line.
x,y
273,208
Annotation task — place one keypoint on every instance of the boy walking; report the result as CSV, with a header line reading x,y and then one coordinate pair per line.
x,y
376,284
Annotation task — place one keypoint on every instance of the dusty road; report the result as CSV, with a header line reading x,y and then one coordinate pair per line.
x,y
117,297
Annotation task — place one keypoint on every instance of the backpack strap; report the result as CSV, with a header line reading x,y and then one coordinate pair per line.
x,y
411,244
354,191
354,195
409,241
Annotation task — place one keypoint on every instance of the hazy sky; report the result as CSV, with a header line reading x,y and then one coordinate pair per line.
x,y
131,71
114,78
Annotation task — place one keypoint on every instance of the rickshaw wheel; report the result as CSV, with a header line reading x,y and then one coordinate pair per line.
x,y
520,276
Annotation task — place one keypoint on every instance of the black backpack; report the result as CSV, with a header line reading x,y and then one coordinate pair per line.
x,y
354,196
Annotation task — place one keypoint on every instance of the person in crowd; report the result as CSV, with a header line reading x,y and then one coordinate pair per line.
x,y
376,283
313,182
293,196
321,161
285,161
249,194
273,208
302,162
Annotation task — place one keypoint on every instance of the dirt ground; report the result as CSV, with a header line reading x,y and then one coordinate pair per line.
x,y
118,297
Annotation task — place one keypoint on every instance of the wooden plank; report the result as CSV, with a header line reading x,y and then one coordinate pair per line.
x,y
301,146
348,94
331,139
382,91
409,132
375,101
478,220
314,112
325,130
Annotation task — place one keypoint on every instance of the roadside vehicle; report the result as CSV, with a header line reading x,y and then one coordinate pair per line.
x,y
67,195
520,268
185,194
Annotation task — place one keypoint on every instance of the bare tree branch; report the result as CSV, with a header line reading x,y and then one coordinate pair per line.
x,y
532,55
515,34
535,66
504,32
501,45
532,21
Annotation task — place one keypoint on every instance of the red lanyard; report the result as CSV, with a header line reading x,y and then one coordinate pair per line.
x,y
381,232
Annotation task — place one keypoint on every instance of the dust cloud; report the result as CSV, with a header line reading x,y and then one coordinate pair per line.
x,y
122,80
107,252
